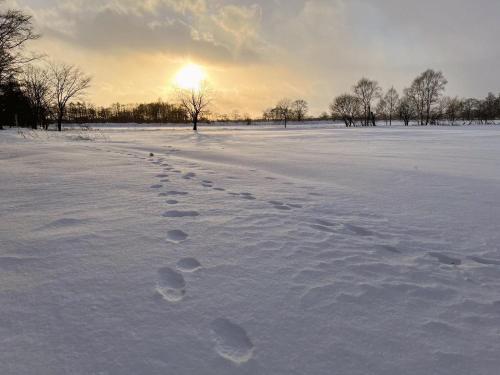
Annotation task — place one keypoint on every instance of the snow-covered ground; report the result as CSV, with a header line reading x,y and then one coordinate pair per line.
x,y
300,251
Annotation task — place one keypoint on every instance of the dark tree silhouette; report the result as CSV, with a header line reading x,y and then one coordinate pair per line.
x,y
35,83
425,92
284,110
346,107
367,91
391,99
68,82
16,29
300,109
196,102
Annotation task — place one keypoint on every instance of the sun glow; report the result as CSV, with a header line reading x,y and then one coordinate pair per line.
x,y
190,77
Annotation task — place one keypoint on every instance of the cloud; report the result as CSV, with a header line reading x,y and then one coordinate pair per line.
x,y
181,27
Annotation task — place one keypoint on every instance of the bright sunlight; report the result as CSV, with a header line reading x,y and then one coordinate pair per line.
x,y
190,77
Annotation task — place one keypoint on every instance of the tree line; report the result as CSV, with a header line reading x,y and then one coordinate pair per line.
x,y
156,112
422,103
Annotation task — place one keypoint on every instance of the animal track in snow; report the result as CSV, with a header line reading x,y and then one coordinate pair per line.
x,y
189,176
219,189
158,186
188,265
181,214
162,175
176,236
172,201
171,284
445,259
232,341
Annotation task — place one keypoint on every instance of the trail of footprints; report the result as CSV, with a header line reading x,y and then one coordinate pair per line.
x,y
231,341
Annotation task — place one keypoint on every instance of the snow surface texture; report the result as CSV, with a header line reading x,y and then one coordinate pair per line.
x,y
257,251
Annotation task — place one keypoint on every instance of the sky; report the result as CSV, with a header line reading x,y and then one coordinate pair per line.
x,y
256,52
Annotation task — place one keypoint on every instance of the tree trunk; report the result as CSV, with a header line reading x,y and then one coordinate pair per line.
x,y
195,124
59,123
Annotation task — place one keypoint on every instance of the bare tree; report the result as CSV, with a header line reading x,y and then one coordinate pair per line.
x,y
300,109
68,83
16,29
196,102
347,107
425,91
470,110
36,87
391,99
452,108
284,109
367,91
382,110
489,108
406,109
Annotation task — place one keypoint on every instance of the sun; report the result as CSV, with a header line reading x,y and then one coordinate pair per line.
x,y
190,77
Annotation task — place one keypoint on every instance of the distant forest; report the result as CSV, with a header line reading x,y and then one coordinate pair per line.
x,y
36,94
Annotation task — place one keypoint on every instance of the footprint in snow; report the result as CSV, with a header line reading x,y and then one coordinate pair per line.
x,y
231,341
189,176
172,201
175,214
188,265
173,193
171,285
176,236
158,186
